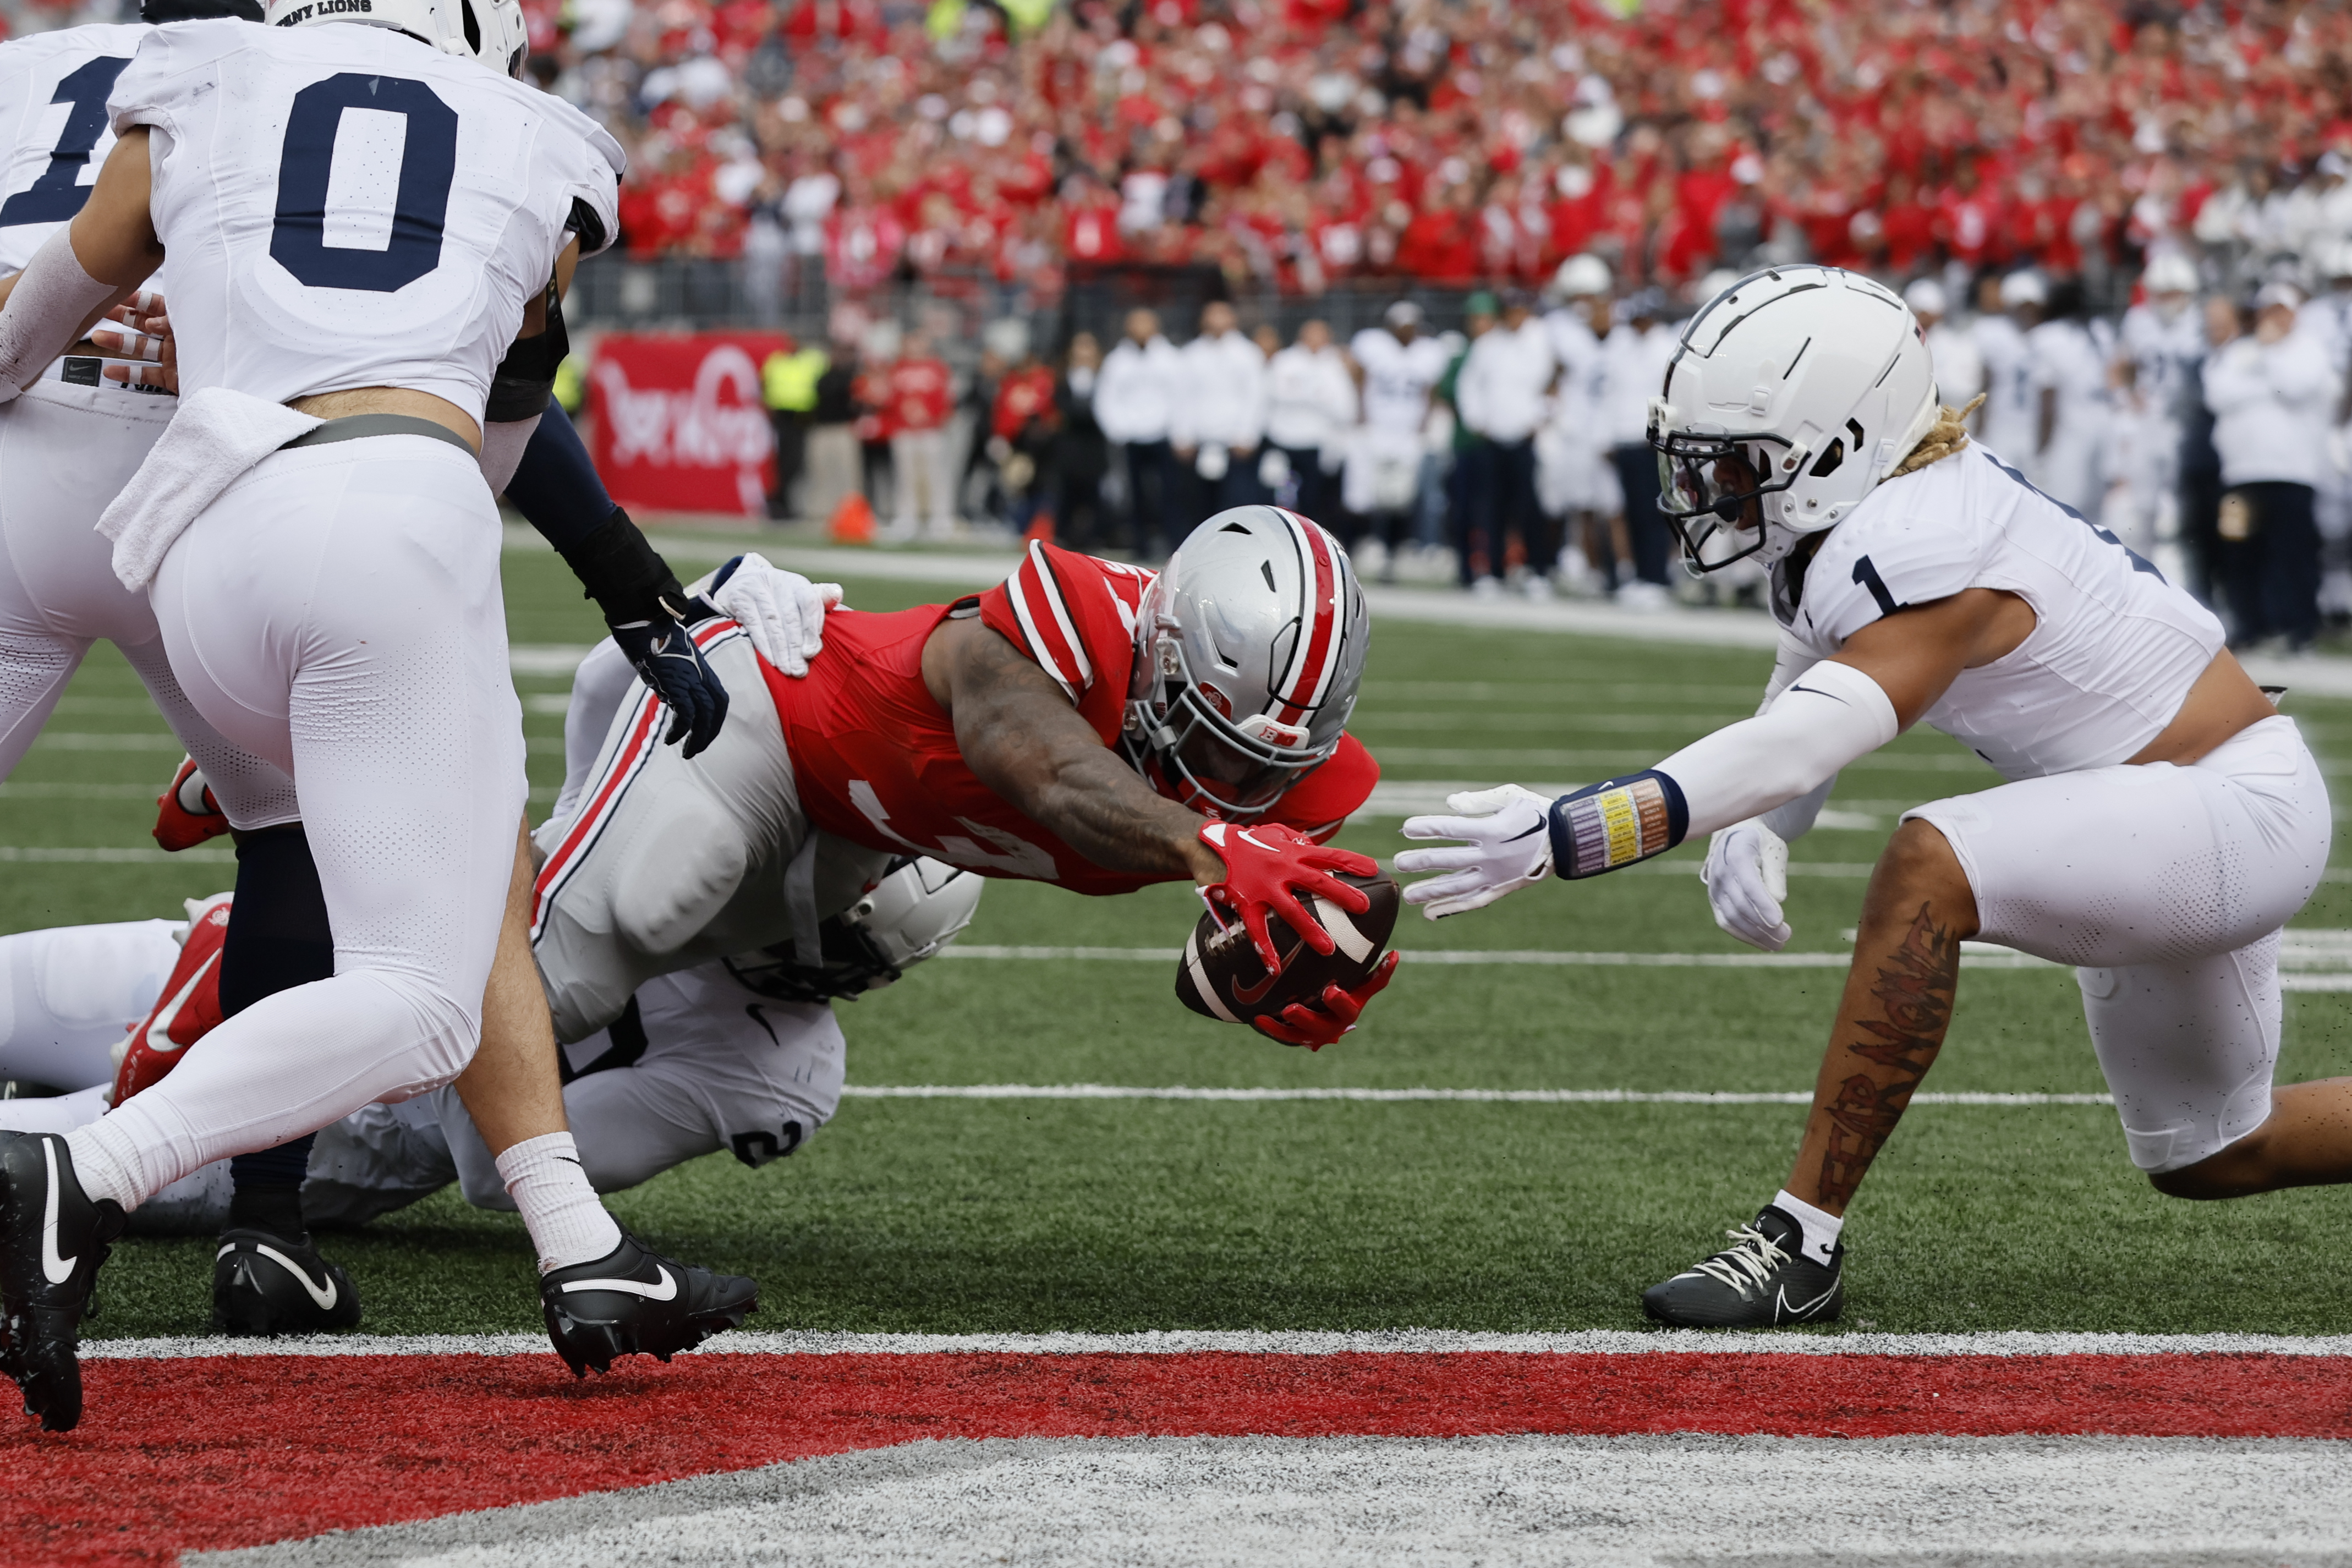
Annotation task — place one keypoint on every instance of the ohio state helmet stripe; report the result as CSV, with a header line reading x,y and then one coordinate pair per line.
x,y
1054,641
1315,658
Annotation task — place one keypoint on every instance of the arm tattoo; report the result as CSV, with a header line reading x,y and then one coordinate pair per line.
x,y
1022,738
1915,992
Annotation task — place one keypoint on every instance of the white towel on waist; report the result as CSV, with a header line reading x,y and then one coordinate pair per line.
x,y
214,438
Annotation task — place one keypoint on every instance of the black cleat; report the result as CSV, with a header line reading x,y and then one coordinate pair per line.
x,y
264,1283
633,1300
53,1236
1763,1280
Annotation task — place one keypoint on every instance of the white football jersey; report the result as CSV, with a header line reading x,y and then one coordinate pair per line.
x,y
2012,410
2115,647
2165,353
323,228
1397,378
54,128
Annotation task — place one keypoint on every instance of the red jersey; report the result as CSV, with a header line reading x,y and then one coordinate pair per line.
x,y
917,391
875,759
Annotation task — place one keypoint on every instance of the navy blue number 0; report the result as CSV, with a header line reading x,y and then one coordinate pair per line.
x,y
59,193
2139,563
428,167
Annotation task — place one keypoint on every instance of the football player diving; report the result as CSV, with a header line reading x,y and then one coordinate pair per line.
x,y
1084,724
2161,823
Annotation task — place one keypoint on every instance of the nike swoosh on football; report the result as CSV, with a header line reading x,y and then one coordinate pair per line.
x,y
664,1291
1247,995
326,1298
57,1269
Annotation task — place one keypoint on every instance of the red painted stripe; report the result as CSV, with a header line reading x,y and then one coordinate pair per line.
x,y
182,1455
1322,622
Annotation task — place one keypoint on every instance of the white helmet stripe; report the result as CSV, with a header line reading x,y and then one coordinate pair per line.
x,y
1315,656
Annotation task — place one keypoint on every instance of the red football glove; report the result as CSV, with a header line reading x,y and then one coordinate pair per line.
x,y
1316,1027
187,814
1264,861
185,1012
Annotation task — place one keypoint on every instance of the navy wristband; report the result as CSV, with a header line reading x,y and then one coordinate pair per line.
x,y
1609,826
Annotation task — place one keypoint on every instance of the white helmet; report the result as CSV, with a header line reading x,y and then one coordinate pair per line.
x,y
1791,395
1249,652
2170,272
1581,276
491,31
916,908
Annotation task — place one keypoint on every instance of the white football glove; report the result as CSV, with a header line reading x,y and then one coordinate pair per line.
x,y
784,611
1507,833
1747,877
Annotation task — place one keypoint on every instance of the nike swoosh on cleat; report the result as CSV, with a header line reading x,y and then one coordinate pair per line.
x,y
326,1298
1802,1309
157,1035
664,1291
57,1269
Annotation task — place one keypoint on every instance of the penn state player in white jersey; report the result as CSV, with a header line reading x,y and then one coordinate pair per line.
x,y
321,554
2163,821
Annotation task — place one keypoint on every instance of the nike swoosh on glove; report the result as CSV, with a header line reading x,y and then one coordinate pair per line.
x,y
1263,863
666,661
782,611
1316,1027
1506,845
1747,877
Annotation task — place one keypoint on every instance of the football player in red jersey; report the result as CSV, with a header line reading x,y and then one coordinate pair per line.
x,y
1084,723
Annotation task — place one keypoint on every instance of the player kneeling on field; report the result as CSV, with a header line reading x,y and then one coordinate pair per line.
x,y
2162,823
742,1055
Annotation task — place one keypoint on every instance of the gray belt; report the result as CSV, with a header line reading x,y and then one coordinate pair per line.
x,y
360,426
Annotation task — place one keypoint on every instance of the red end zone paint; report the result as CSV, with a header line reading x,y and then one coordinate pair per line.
x,y
234,1451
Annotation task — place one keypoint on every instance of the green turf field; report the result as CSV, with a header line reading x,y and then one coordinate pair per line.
x,y
957,1216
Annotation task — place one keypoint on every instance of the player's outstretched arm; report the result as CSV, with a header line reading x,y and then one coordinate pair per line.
x,y
1886,675
83,270
1021,737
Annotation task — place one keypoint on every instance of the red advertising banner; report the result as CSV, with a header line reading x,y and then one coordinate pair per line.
x,y
679,424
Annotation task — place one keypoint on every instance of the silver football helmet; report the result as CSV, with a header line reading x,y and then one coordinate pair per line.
x,y
916,908
1249,654
494,32
1791,395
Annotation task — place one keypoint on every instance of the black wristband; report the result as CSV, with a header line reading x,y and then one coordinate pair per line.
x,y
1609,825
625,573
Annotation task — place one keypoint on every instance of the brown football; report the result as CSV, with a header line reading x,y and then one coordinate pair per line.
x,y
1220,975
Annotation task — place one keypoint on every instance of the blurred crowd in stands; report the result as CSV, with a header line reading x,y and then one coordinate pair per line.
x,y
1300,145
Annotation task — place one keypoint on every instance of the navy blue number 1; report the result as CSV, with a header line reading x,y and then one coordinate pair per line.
x,y
428,167
58,194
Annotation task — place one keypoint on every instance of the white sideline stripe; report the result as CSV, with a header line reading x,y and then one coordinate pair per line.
x,y
46,855
1255,1341
1479,1096
1507,956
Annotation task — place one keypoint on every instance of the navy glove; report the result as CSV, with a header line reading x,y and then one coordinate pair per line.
x,y
665,659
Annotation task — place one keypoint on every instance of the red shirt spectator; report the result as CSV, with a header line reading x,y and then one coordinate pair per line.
x,y
1023,394
917,390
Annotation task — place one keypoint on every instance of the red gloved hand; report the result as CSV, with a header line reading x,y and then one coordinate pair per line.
x,y
1263,862
186,813
1316,1027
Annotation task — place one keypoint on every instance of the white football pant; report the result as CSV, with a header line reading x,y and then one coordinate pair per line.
x,y
66,449
2167,888
336,612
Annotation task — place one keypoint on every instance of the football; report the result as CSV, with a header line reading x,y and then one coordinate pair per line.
x,y
1220,975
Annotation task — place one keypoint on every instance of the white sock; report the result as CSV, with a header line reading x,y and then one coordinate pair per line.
x,y
567,1221
1820,1229
105,1163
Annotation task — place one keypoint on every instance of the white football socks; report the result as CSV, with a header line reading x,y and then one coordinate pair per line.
x,y
1820,1229
567,1221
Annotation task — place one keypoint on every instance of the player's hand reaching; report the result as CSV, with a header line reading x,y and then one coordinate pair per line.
x,y
1266,867
1747,877
665,659
1506,844
141,331
782,611
1316,1027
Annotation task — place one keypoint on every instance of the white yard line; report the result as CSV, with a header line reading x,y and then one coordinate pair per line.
x,y
1254,1341
1472,1096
